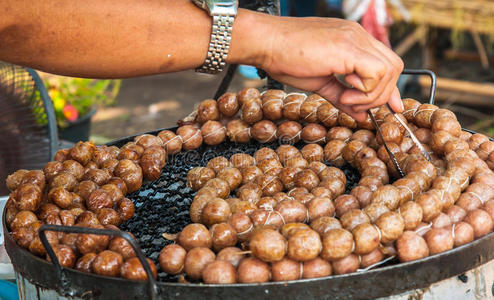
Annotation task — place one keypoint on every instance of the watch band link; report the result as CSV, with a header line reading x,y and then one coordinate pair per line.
x,y
219,45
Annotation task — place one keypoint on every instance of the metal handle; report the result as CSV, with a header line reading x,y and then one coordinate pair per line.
x,y
429,73
65,284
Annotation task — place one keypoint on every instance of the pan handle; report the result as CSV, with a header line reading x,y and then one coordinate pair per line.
x,y
429,73
65,284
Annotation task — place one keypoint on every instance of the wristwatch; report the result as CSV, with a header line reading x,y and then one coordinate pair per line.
x,y
223,13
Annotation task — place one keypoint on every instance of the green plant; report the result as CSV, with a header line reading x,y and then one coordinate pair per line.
x,y
75,97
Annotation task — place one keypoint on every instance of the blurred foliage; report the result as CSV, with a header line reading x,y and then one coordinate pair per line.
x,y
73,98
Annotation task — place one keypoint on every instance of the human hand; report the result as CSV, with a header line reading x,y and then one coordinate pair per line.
x,y
306,53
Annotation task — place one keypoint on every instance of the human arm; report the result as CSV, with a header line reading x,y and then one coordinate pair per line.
x,y
116,39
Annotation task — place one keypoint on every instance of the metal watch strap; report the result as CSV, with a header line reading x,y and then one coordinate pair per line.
x,y
219,45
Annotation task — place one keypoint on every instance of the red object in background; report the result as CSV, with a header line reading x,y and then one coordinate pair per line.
x,y
70,112
371,25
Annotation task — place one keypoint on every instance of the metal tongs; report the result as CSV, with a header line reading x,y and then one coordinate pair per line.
x,y
412,136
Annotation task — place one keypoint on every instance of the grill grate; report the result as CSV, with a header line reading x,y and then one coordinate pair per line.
x,y
163,205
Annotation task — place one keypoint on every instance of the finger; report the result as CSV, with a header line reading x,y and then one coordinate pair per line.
x,y
331,90
356,97
395,101
383,99
355,81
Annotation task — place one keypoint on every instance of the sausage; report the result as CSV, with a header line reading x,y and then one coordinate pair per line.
x,y
232,255
387,195
324,224
125,209
319,207
218,163
107,263
120,245
82,152
99,199
423,115
286,269
463,233
339,133
242,225
289,132
366,238
265,153
336,186
411,213
85,263
253,270
252,111
240,160
219,272
307,179
272,106
65,180
447,124
431,205
269,184
223,235
291,211
313,133
247,94
312,152
172,259
190,136
108,216
147,140
15,179
411,246
23,218
375,210
286,152
304,245
207,110
197,177
249,174
352,218
333,152
132,269
292,104
327,115
348,264
50,170
28,197
171,142
194,235
316,268
310,107
221,187
215,211
213,132
345,203
249,192
228,104
346,121
336,244
391,226
268,245
439,240
363,195
480,221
